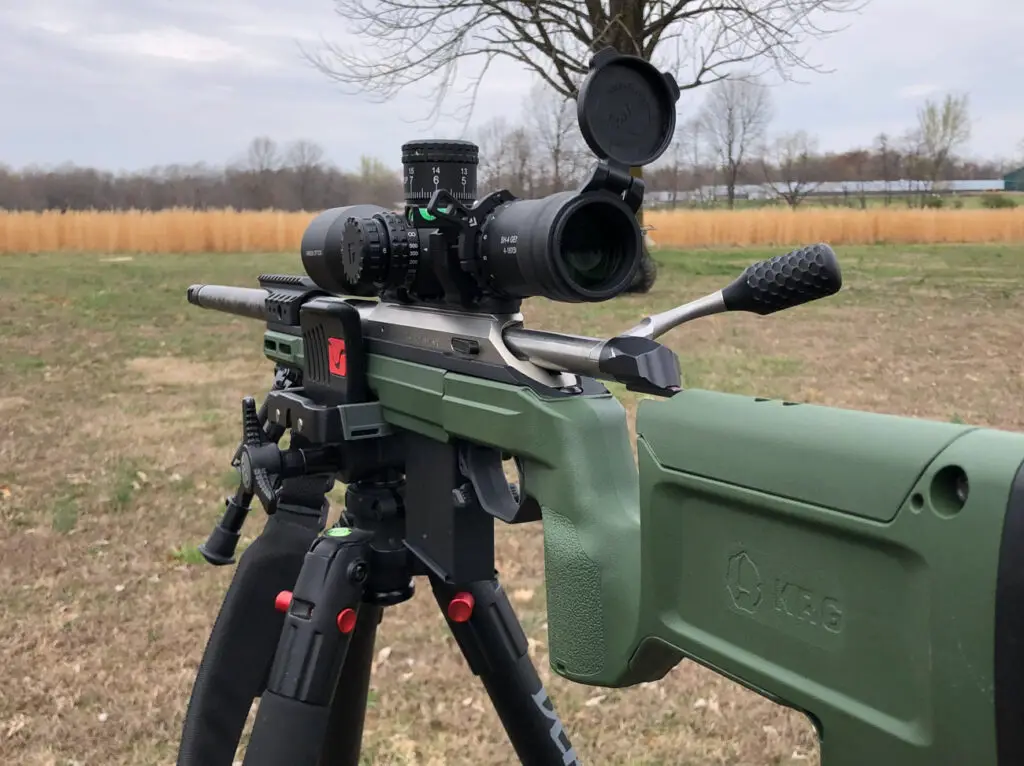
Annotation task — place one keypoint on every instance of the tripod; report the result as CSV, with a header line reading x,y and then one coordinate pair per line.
x,y
298,624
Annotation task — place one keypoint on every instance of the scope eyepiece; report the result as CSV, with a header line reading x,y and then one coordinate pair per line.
x,y
359,250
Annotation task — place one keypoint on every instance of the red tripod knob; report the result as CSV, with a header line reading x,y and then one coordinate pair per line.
x,y
283,601
460,608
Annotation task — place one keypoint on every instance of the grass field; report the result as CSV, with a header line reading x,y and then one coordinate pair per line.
x,y
226,231
119,409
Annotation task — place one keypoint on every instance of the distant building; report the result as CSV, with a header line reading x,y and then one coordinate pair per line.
x,y
1014,180
842,189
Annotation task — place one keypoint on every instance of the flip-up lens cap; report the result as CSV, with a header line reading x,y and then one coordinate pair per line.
x,y
627,109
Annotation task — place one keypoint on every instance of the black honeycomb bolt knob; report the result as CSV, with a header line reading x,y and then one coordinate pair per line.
x,y
785,281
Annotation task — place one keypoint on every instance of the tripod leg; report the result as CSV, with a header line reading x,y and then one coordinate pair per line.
x,y
494,644
293,715
348,707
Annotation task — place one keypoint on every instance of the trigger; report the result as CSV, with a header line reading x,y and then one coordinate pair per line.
x,y
482,466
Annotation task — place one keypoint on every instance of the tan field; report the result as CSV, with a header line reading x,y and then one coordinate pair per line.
x,y
230,231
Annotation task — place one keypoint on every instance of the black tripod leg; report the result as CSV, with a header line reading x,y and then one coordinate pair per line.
x,y
494,644
241,645
293,716
348,708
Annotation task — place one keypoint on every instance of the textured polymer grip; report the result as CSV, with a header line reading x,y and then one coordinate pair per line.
x,y
785,281
591,543
578,465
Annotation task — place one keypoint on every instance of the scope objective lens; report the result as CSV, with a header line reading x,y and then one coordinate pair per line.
x,y
568,247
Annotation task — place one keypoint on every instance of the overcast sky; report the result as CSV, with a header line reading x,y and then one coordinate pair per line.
x,y
127,84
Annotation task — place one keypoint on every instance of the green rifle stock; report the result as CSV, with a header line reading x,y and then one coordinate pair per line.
x,y
859,567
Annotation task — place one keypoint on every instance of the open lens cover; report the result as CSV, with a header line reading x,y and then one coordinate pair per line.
x,y
626,108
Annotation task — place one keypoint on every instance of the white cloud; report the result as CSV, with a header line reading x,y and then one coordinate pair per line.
x,y
171,43
154,81
918,91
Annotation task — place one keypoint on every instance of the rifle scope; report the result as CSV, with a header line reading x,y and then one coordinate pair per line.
x,y
582,245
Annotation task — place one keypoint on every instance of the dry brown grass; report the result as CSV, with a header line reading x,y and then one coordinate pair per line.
x,y
838,226
227,231
119,414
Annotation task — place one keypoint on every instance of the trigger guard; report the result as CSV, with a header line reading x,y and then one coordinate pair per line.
x,y
482,466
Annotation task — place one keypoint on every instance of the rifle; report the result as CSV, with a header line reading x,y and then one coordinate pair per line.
x,y
858,567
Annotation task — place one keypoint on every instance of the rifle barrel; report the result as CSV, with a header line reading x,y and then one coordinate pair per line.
x,y
243,301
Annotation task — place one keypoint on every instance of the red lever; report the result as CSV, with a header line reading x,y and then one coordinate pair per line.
x,y
460,608
283,601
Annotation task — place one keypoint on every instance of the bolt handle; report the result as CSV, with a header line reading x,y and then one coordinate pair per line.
x,y
785,281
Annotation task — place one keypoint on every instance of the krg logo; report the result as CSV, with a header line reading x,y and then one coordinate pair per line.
x,y
744,582
336,361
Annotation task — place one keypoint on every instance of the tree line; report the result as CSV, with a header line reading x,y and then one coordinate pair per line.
x,y
725,143
292,177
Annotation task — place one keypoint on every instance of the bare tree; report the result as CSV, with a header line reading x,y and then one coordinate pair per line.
x,y
402,43
693,148
942,129
677,155
262,160
551,117
888,163
522,162
788,166
305,158
734,117
915,166
494,140
263,155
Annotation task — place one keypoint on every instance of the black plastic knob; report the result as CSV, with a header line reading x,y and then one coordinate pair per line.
x,y
785,281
